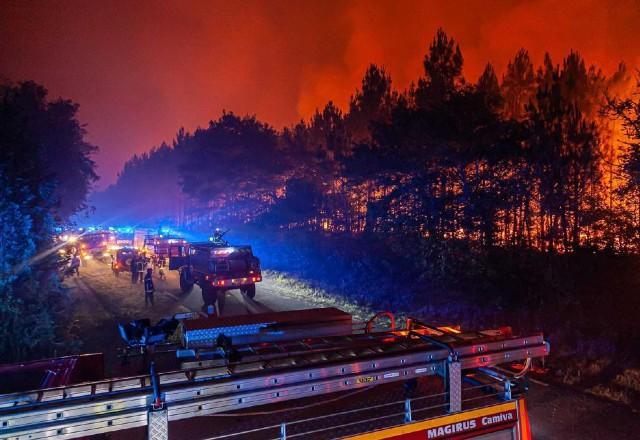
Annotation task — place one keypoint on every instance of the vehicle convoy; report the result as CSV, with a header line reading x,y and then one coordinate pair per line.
x,y
217,267
309,374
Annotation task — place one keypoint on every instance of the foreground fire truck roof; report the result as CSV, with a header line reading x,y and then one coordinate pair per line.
x,y
291,317
50,373
358,383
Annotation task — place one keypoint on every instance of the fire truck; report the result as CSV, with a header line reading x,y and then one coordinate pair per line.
x,y
216,267
159,244
310,374
97,240
121,258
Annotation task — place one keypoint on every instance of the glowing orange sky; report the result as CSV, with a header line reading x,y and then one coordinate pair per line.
x,y
141,70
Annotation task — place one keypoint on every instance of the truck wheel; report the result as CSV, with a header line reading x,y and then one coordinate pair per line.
x,y
250,290
221,298
186,283
208,296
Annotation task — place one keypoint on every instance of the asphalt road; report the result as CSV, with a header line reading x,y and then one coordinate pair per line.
x,y
102,300
117,297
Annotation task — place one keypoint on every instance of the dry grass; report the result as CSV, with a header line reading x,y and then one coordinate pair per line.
x,y
295,288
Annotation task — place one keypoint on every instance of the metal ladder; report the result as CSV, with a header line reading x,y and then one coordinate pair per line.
x,y
269,373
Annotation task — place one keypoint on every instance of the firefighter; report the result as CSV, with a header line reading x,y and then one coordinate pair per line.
x,y
75,265
161,274
140,262
148,263
134,270
148,288
217,237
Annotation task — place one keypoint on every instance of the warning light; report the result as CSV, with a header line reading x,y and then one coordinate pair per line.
x,y
225,251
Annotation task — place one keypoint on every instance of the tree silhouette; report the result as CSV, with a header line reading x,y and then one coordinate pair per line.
x,y
566,156
41,141
489,88
373,103
231,163
45,173
518,86
443,72
627,111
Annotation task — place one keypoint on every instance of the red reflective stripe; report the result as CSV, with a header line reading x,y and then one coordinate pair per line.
x,y
523,420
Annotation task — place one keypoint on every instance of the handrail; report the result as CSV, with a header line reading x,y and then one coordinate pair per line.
x,y
185,394
388,314
400,403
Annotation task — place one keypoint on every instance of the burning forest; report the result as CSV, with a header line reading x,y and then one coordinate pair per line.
x,y
508,196
520,192
539,159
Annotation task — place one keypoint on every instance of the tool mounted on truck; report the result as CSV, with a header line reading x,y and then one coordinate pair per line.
x,y
419,381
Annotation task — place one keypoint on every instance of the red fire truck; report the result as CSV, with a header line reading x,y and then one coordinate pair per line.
x,y
216,268
159,244
312,375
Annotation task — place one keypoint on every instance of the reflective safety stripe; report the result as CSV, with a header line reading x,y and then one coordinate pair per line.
x,y
523,421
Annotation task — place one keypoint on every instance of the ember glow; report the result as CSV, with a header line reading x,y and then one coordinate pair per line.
x,y
140,71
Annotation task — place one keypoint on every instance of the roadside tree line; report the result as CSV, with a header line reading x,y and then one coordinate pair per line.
x,y
543,158
46,171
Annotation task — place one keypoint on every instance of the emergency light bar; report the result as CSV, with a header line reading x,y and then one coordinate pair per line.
x,y
223,252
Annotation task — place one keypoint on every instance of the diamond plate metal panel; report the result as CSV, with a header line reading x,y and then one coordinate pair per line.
x,y
455,387
210,335
158,425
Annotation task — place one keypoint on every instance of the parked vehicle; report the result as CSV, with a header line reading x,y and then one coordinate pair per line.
x,y
216,267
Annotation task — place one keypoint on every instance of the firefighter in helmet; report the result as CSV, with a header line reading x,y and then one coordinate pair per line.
x,y
217,237
149,288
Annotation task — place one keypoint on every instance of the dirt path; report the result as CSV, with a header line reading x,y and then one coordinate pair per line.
x,y
103,300
562,413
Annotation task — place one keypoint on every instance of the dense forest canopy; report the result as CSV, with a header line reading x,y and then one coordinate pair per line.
x,y
537,158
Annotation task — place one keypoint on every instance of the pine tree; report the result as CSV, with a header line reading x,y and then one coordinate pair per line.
x,y
443,72
373,103
489,88
518,86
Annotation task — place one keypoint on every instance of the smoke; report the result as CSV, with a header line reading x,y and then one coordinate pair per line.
x,y
140,70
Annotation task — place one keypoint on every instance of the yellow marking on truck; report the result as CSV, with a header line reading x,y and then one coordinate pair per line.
x,y
439,421
365,379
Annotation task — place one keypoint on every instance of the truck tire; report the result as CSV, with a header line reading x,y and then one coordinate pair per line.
x,y
186,283
250,290
209,295
221,299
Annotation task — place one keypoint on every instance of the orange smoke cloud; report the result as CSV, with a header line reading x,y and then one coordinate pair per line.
x,y
141,70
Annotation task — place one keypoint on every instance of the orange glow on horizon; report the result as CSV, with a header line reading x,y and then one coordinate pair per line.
x,y
140,71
